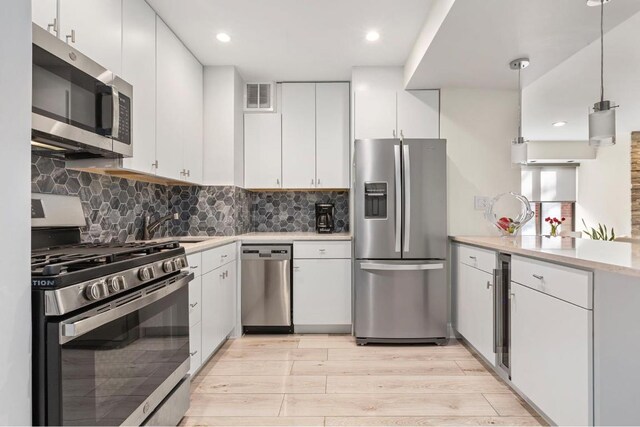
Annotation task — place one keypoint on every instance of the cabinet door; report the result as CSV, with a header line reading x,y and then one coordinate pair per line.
x,y
332,135
419,113
170,114
375,114
195,347
322,292
229,287
550,354
474,309
98,30
45,13
262,150
195,301
212,307
193,118
298,135
139,69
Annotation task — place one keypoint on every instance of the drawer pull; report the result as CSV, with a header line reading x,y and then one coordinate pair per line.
x,y
223,256
472,257
193,353
538,277
489,284
322,250
193,267
193,305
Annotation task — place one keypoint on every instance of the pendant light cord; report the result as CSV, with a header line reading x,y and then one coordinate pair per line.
x,y
601,50
519,103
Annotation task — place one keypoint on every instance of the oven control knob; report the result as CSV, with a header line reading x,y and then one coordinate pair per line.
x,y
92,292
117,284
145,273
180,264
168,266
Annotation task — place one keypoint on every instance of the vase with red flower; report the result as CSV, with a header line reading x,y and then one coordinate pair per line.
x,y
555,224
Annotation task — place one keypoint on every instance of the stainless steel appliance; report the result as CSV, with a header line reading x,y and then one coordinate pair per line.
x,y
502,314
79,108
266,289
325,214
401,241
110,324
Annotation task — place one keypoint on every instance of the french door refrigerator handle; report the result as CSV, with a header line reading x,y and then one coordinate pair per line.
x,y
398,194
407,197
400,267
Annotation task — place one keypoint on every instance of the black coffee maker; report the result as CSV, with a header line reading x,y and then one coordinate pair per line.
x,y
325,213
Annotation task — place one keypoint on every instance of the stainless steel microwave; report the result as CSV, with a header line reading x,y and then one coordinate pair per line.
x,y
79,108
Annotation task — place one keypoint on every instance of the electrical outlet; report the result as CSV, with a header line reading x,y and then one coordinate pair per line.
x,y
480,203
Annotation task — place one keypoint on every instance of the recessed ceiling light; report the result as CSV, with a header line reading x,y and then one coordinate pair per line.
x,y
594,3
559,124
373,36
223,37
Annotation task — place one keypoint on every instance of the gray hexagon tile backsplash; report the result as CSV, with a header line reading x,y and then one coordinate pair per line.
x,y
114,206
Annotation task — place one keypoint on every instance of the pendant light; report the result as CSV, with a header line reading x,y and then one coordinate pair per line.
x,y
602,121
519,144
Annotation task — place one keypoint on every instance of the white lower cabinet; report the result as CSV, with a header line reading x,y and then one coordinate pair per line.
x,y
551,348
474,309
321,287
195,301
195,347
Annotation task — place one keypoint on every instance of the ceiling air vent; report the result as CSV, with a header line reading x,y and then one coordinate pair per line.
x,y
259,96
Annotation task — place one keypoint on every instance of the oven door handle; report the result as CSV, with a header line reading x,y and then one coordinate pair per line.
x,y
76,327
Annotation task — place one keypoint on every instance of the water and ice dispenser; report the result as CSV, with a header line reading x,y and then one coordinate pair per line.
x,y
375,200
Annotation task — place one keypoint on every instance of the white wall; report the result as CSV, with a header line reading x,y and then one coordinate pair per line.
x,y
15,223
478,126
223,129
566,93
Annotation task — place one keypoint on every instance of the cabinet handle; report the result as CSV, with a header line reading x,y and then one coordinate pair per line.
x,y
312,182
188,172
512,295
394,133
193,305
322,251
318,182
71,37
489,284
296,268
154,164
193,267
401,134
278,182
193,353
538,277
53,26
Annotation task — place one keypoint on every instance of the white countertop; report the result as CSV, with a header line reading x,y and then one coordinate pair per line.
x,y
193,244
616,257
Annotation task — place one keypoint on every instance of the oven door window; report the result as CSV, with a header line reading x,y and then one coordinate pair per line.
x,y
109,372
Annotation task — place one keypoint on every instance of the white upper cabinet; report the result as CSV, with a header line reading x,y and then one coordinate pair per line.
x,y
138,68
391,114
263,150
298,135
95,29
375,114
179,108
332,135
419,113
45,14
193,120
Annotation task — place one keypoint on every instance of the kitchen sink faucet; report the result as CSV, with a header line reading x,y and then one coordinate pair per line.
x,y
149,228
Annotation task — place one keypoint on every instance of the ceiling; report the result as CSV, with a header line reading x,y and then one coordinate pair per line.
x,y
296,39
478,39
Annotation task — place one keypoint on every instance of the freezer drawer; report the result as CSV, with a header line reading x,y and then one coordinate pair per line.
x,y
398,301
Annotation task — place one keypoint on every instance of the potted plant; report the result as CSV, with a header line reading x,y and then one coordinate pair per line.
x,y
555,223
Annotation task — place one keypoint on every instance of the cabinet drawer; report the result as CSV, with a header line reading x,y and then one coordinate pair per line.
x,y
195,301
195,347
217,257
568,284
322,249
482,259
195,264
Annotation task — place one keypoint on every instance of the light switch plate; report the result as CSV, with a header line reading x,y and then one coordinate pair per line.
x,y
480,203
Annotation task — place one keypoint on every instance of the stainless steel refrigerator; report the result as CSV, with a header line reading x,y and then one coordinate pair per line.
x,y
401,240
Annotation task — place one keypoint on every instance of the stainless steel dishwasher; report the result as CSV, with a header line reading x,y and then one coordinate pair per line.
x,y
266,288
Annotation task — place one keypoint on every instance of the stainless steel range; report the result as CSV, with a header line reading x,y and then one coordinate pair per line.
x,y
110,325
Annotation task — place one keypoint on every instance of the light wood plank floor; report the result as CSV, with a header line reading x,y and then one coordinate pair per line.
x,y
315,380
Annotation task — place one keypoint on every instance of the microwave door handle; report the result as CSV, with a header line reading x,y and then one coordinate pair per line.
x,y
398,194
69,330
115,119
